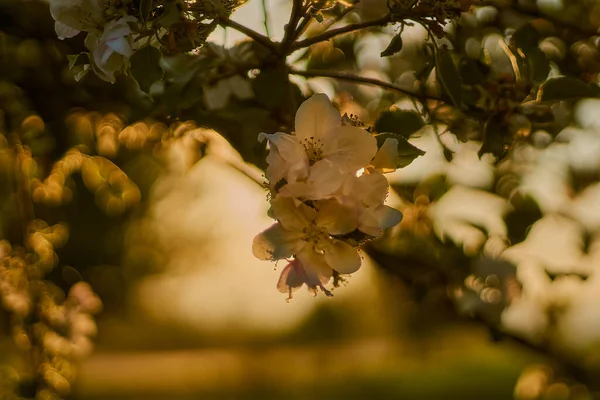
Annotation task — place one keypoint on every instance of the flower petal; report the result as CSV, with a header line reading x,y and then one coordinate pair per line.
x,y
323,181
287,148
83,15
337,219
316,118
276,243
122,45
387,216
374,221
386,159
341,256
64,31
291,279
350,148
294,216
316,269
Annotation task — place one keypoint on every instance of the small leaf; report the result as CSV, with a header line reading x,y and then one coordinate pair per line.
x,y
394,47
406,151
403,123
78,59
496,137
448,75
145,67
566,88
526,37
171,15
318,17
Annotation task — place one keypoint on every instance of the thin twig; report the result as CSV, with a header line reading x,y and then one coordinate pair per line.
x,y
265,17
314,73
265,41
340,31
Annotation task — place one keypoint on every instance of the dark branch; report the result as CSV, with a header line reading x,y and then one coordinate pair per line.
x,y
340,31
344,76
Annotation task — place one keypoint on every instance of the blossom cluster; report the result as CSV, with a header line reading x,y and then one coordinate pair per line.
x,y
327,196
109,31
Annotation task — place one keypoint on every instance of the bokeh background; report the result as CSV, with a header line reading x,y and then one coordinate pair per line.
x,y
190,313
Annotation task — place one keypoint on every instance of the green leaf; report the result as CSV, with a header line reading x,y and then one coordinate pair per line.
x,y
78,59
566,88
171,15
448,75
406,151
394,47
526,37
145,9
496,137
145,67
400,122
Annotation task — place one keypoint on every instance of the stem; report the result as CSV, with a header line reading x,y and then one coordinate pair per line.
x,y
290,28
265,41
265,17
313,73
340,31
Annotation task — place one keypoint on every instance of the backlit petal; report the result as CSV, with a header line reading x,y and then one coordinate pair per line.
x,y
276,243
341,257
337,219
386,159
350,148
292,215
316,118
64,31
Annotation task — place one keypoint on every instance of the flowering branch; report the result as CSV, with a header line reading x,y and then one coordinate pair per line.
x,y
313,73
340,31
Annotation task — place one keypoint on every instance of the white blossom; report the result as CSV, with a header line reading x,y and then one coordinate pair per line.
x,y
315,158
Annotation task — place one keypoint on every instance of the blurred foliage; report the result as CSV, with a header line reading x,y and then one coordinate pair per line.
x,y
81,157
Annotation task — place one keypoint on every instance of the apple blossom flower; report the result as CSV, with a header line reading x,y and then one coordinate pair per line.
x,y
112,48
315,158
366,194
109,35
295,275
307,233
74,16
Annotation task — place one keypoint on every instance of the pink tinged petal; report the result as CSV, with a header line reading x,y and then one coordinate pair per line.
x,y
64,31
276,243
294,216
350,148
316,118
337,219
291,279
386,159
316,270
341,256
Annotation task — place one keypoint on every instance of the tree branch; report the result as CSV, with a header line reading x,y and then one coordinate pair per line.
x,y
344,76
265,41
290,28
340,31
